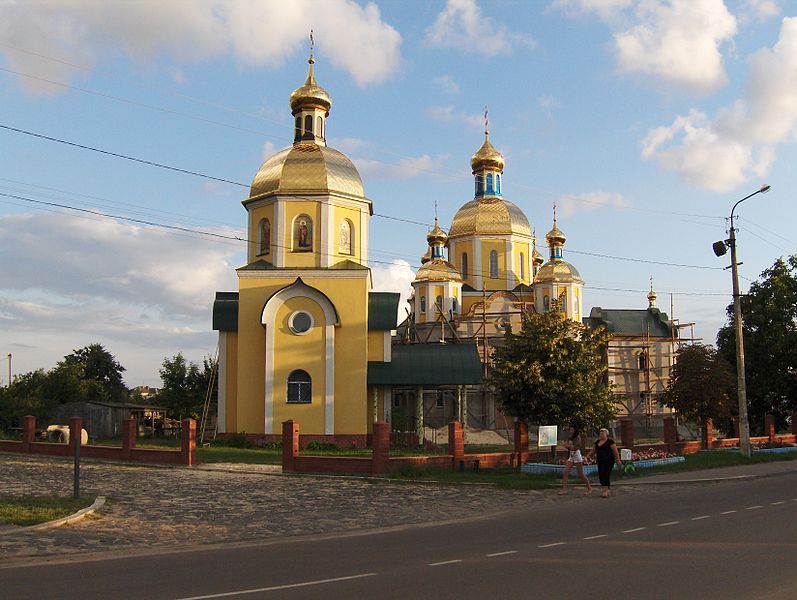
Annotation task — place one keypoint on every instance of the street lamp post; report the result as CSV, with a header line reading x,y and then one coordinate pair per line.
x,y
719,250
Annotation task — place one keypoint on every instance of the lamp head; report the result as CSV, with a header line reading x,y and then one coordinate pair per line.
x,y
720,248
764,189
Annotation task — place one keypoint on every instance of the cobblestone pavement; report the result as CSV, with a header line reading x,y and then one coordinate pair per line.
x,y
152,507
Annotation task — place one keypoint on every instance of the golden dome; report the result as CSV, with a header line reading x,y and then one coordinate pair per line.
x,y
487,157
436,234
438,269
555,236
536,257
307,168
489,215
427,256
558,271
310,94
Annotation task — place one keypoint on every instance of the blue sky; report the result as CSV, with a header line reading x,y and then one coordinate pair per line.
x,y
644,121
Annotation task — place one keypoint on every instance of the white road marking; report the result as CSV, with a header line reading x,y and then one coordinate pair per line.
x,y
633,530
776,503
281,587
551,545
668,523
728,512
701,517
502,553
595,537
445,562
754,507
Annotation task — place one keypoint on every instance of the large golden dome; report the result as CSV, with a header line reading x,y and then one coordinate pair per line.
x,y
307,168
489,215
557,270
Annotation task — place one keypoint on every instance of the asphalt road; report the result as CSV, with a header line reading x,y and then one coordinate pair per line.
x,y
731,540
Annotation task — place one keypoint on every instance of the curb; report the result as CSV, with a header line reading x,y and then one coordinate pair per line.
x,y
95,506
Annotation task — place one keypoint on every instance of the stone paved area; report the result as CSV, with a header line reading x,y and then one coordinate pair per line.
x,y
162,507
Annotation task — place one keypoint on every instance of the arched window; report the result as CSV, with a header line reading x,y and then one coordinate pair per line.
x,y
493,264
308,125
423,304
345,237
497,184
464,265
522,266
546,303
300,387
454,304
297,134
319,129
479,184
265,236
439,302
643,361
302,234
489,183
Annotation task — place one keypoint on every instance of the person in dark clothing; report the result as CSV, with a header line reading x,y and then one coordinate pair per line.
x,y
606,455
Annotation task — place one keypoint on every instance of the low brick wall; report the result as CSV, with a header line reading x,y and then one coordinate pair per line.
x,y
185,456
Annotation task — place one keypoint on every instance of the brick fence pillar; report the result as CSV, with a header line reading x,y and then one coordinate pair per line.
x,y
28,432
794,424
627,432
456,443
707,433
290,444
75,433
521,441
670,433
188,442
129,432
769,427
380,453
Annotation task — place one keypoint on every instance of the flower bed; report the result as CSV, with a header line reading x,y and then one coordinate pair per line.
x,y
783,450
589,469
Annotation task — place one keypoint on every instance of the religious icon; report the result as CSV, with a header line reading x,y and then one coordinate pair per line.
x,y
303,234
344,241
265,236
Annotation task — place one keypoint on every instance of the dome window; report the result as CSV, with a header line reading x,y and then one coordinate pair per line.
x,y
423,304
493,264
303,234
308,127
319,127
300,387
454,305
464,265
490,189
479,185
297,132
439,303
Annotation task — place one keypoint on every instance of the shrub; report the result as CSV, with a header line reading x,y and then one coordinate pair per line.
x,y
239,440
320,446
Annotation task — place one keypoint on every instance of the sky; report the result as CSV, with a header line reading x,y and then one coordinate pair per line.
x,y
643,121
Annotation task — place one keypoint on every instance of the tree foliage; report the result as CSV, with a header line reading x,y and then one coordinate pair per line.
x,y
96,364
769,326
553,372
184,385
701,385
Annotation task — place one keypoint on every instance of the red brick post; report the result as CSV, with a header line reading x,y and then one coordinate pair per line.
x,y
129,433
456,443
627,432
75,433
794,424
521,441
28,432
380,448
290,444
769,427
707,433
669,433
188,442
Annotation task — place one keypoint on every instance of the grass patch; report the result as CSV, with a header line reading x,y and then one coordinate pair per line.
x,y
250,456
32,510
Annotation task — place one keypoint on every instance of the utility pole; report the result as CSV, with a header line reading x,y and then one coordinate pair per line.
x,y
9,369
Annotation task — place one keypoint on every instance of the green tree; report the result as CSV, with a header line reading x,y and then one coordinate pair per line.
x,y
185,385
701,385
553,372
769,326
98,365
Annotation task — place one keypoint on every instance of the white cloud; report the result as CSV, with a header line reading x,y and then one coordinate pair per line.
x,y
447,114
759,10
570,204
462,25
740,142
404,168
548,102
352,37
396,277
605,9
268,150
346,145
447,85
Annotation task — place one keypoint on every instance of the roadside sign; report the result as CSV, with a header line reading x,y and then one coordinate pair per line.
x,y
547,436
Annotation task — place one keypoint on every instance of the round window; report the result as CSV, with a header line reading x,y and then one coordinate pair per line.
x,y
300,322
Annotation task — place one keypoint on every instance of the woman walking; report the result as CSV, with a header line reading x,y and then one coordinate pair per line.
x,y
574,444
606,454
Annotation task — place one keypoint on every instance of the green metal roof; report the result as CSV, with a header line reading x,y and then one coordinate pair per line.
x,y
225,311
382,310
636,323
428,364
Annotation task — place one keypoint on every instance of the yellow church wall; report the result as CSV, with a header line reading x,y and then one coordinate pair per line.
x,y
292,210
305,352
469,300
499,246
376,345
231,387
421,294
352,214
257,215
519,248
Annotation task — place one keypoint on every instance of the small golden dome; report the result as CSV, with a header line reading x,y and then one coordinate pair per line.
x,y
438,269
489,215
558,271
436,234
427,256
555,237
487,157
308,168
537,258
310,94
